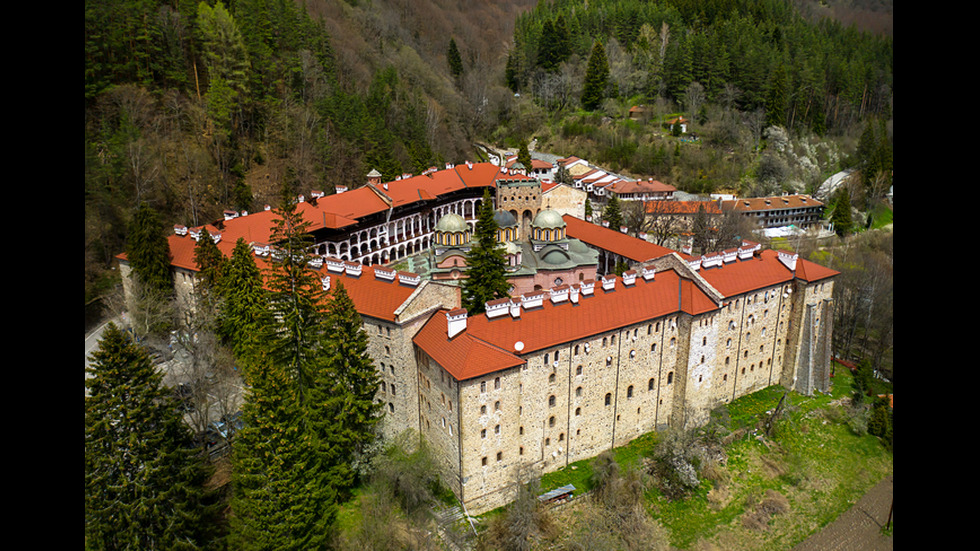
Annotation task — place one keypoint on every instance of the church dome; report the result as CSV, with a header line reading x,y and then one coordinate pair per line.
x,y
548,219
556,257
452,223
504,219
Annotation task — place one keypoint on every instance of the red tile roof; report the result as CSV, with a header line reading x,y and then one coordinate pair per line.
x,y
760,271
550,324
811,271
342,210
681,207
776,202
374,297
464,356
641,186
637,250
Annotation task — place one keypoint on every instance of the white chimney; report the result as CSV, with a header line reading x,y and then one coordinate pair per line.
x,y
532,299
409,278
456,321
352,268
515,308
497,308
559,294
340,189
588,287
385,274
629,277
335,264
326,282
573,293
649,272
608,282
788,260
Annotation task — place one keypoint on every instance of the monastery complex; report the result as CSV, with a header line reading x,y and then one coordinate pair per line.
x,y
577,360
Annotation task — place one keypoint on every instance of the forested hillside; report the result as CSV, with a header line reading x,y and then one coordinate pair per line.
x,y
197,107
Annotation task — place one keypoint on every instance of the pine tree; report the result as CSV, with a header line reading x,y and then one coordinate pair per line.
x,y
613,214
524,156
244,310
285,479
210,264
344,413
486,268
596,78
455,60
547,54
144,478
778,99
563,41
295,296
280,499
149,252
841,215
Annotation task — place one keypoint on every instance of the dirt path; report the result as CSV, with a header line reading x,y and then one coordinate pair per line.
x,y
859,528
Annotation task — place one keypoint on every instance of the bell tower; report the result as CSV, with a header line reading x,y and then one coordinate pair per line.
x,y
521,197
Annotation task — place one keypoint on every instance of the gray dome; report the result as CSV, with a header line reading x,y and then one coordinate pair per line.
x,y
548,219
452,223
504,219
555,257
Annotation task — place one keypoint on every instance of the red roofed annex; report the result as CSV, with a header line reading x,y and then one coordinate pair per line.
x,y
556,374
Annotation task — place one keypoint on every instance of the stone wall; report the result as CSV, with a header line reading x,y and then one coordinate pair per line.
x,y
671,371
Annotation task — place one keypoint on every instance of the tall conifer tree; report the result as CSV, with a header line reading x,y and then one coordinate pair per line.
x,y
596,78
280,498
284,496
149,252
244,309
144,478
524,156
344,413
486,275
613,213
295,296
455,60
210,264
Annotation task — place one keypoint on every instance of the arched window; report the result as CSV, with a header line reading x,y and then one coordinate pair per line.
x,y
629,392
608,398
670,377
650,384
551,401
551,421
